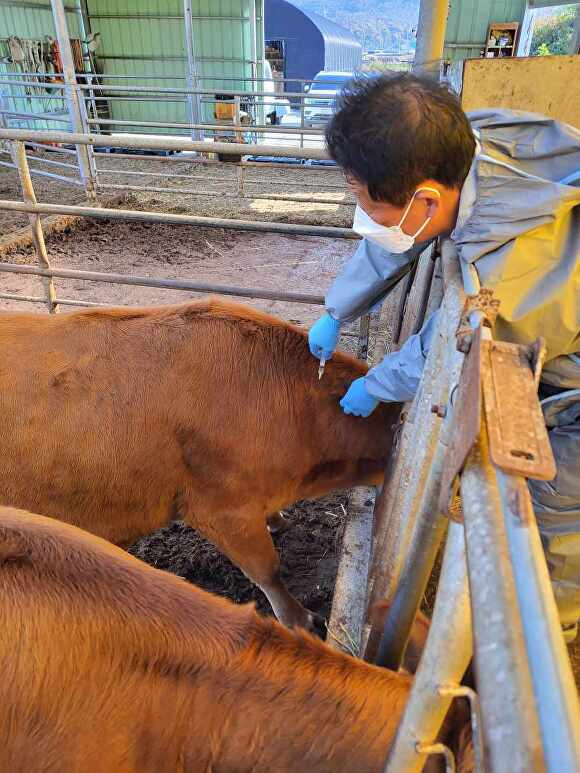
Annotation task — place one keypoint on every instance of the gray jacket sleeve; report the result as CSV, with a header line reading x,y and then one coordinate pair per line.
x,y
396,378
366,278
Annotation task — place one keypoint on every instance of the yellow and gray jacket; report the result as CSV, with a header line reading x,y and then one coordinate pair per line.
x,y
518,228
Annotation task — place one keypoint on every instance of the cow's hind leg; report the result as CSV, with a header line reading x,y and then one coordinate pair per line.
x,y
246,541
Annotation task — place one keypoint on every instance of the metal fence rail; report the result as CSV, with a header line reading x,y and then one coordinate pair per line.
x,y
167,284
104,213
163,143
237,176
86,90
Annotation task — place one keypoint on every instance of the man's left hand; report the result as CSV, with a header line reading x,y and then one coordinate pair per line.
x,y
357,401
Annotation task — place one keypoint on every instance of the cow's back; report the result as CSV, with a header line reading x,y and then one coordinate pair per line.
x,y
111,665
117,420
86,421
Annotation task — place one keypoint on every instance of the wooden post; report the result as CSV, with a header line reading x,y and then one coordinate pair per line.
x,y
241,181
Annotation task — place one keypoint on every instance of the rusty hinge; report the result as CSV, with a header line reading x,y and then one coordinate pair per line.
x,y
502,378
466,423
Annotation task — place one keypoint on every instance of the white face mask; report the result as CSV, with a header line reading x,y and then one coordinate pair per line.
x,y
391,238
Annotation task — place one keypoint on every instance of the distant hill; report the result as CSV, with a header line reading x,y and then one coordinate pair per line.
x,y
377,24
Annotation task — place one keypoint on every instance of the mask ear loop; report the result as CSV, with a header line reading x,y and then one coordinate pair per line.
x,y
406,212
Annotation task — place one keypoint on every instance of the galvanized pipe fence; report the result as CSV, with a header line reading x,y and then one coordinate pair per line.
x,y
83,95
449,483
301,144
29,205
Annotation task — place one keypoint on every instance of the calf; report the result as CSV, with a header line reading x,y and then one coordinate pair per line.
x,y
119,420
110,665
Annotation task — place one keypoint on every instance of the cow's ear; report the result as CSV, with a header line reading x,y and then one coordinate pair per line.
x,y
14,549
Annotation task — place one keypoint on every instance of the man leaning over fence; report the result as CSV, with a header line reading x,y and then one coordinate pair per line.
x,y
505,187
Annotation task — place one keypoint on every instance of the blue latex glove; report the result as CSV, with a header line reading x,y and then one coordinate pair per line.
x,y
323,337
357,401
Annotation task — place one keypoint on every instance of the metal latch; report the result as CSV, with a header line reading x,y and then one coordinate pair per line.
x,y
502,379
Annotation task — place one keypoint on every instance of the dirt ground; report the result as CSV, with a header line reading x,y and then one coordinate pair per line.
x,y
309,553
214,185
216,256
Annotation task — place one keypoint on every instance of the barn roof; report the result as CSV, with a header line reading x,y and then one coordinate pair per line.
x,y
312,42
331,32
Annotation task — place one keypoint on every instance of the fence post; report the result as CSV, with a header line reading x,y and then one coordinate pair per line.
x,y
19,156
253,20
520,655
407,533
75,100
193,100
444,661
238,118
241,181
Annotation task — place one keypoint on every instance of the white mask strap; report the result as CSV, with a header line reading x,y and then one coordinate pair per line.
x,y
406,212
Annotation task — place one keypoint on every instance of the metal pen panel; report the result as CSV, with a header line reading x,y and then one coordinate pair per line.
x,y
444,661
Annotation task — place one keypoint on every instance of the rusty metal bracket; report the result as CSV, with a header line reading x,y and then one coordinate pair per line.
x,y
503,378
483,302
466,424
518,438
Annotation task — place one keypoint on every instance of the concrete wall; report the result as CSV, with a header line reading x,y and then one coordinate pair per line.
x,y
549,85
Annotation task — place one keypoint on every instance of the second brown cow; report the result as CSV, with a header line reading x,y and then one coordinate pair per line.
x,y
120,420
111,666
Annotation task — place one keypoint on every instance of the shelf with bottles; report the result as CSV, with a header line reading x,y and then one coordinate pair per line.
x,y
501,40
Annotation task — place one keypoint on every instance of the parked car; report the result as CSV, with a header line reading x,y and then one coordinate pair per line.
x,y
275,107
322,94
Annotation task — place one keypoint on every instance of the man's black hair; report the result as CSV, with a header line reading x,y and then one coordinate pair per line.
x,y
393,131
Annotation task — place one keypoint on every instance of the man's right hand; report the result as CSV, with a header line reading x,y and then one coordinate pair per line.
x,y
323,337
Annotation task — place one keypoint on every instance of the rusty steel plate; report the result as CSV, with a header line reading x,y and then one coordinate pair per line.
x,y
517,434
466,424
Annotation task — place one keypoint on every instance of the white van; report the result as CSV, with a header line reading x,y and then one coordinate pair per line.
x,y
322,94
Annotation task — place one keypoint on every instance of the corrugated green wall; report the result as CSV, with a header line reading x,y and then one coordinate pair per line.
x,y
31,19
469,20
141,37
147,37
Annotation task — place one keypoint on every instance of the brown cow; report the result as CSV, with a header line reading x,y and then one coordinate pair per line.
x,y
109,665
119,420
